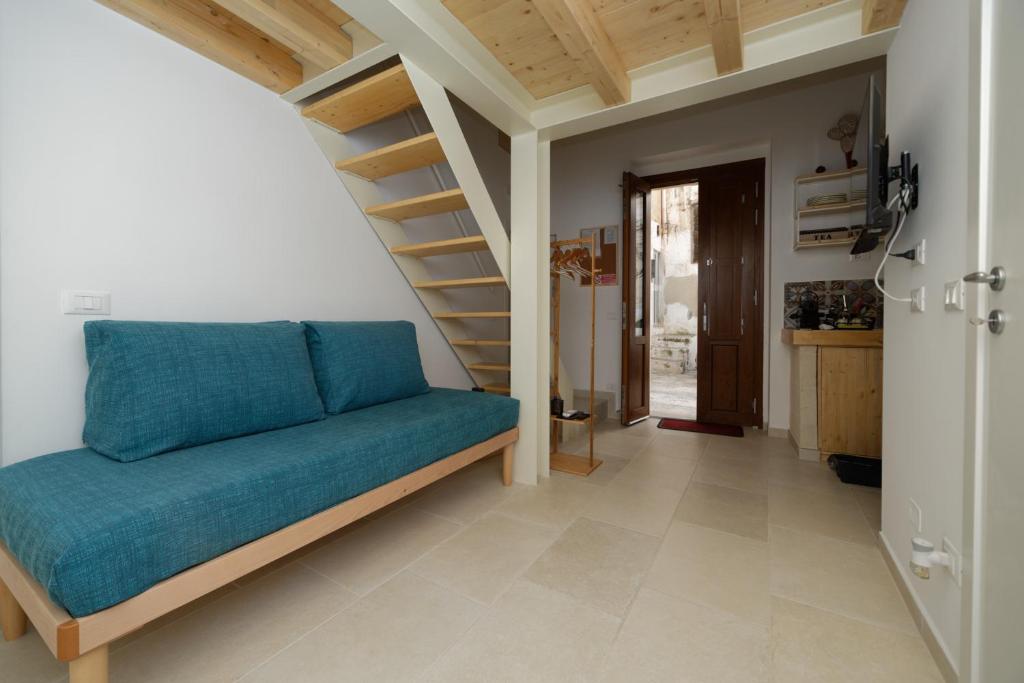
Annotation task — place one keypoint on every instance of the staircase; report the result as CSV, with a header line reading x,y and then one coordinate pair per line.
x,y
470,306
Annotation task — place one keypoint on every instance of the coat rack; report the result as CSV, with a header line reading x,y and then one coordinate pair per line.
x,y
572,259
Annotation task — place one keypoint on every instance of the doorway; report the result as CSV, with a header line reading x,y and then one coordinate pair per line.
x,y
674,301
723,208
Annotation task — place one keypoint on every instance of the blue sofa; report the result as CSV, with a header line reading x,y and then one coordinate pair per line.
x,y
203,438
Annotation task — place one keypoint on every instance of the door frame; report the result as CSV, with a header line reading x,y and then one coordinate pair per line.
x,y
704,174
627,414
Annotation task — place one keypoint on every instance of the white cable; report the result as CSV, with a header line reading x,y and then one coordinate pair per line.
x,y
902,196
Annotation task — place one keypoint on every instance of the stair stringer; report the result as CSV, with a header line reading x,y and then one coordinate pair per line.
x,y
438,108
391,234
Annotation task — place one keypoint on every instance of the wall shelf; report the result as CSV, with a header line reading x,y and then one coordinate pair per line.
x,y
841,220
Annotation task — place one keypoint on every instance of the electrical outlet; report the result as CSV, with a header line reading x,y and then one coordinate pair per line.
x,y
916,518
917,300
956,562
919,253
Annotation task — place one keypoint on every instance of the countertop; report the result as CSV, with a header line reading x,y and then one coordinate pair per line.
x,y
849,338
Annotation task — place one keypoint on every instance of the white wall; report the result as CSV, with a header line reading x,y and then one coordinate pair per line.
x,y
131,164
923,428
785,123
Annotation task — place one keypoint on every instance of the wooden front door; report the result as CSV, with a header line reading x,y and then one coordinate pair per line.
x,y
729,342
636,299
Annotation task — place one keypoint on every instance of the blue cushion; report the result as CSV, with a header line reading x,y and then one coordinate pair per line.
x,y
95,532
155,387
360,364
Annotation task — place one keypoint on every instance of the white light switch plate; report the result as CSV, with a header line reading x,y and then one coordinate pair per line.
x,y
956,561
917,300
954,295
84,302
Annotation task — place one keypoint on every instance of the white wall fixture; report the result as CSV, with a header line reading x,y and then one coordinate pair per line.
x,y
84,302
924,556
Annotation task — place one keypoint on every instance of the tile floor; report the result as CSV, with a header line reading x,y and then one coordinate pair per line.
x,y
683,558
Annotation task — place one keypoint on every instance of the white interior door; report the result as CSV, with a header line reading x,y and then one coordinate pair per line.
x,y
997,649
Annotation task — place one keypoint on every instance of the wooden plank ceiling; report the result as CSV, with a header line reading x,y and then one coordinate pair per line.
x,y
276,43
552,46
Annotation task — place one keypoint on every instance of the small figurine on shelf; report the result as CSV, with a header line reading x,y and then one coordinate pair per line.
x,y
845,131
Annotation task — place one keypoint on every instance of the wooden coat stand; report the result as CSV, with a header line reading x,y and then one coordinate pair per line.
x,y
570,263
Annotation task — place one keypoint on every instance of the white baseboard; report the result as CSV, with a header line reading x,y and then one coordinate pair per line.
x,y
932,639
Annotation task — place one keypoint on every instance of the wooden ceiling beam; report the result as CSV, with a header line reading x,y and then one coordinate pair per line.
x,y
581,33
881,14
298,24
218,35
723,17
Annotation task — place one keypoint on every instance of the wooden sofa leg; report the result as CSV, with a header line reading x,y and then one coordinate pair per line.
x,y
507,456
12,617
90,667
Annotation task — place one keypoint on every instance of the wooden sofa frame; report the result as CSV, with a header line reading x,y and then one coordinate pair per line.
x,y
84,642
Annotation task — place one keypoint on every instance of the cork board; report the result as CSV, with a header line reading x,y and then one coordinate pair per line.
x,y
607,256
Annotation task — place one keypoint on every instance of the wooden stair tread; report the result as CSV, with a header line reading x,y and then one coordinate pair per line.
x,y
400,157
372,99
490,367
480,342
459,245
472,314
424,205
494,281
497,389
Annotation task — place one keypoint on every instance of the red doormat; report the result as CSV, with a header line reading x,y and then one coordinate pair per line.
x,y
702,427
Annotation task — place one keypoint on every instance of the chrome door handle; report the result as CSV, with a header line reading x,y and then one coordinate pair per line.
x,y
705,316
996,278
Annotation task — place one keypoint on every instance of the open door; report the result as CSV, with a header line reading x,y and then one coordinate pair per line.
x,y
636,299
729,337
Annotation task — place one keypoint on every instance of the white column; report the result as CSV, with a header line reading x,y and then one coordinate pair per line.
x,y
530,284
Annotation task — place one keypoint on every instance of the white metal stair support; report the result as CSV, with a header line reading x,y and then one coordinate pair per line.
x,y
439,111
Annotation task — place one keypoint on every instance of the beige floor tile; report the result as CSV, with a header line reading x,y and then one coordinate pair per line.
x,y
483,560
870,502
610,466
392,634
646,509
371,555
672,640
229,637
846,578
175,615
555,501
622,443
745,476
714,568
651,469
725,509
28,660
812,645
600,564
750,447
811,476
686,445
466,495
532,634
829,514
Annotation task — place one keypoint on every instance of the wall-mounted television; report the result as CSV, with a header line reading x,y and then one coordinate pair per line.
x,y
878,217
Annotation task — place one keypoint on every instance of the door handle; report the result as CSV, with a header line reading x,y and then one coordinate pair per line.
x,y
705,316
995,278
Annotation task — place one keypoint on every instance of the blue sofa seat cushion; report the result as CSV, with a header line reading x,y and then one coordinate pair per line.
x,y
360,364
155,387
95,532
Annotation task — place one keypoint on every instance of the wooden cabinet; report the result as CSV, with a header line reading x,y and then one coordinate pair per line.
x,y
836,402
850,401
